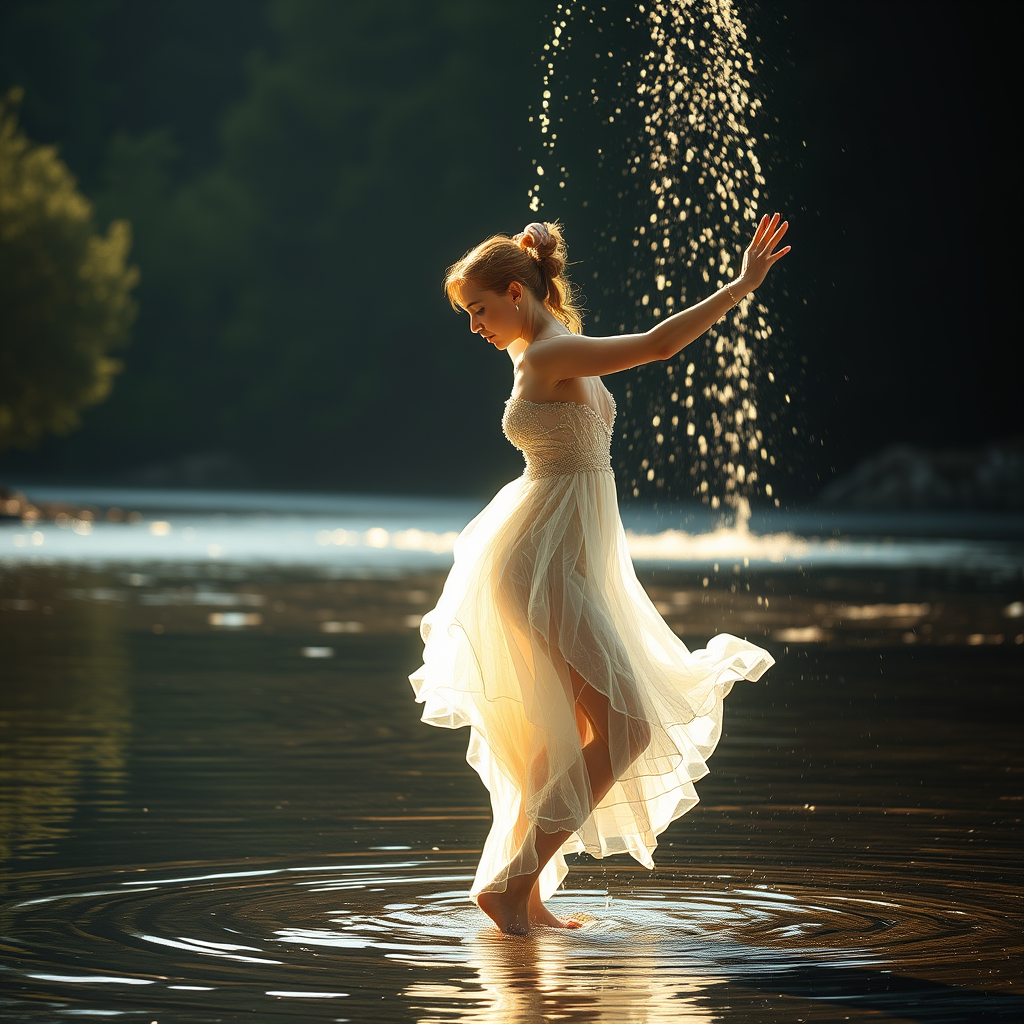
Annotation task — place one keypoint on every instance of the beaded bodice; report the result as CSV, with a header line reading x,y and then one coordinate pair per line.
x,y
558,438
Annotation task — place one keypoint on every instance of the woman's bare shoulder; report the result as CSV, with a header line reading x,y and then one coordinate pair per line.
x,y
583,355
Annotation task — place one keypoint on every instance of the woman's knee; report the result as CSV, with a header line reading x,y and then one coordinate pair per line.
x,y
607,722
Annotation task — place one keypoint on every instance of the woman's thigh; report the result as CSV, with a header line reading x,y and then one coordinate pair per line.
x,y
592,704
634,734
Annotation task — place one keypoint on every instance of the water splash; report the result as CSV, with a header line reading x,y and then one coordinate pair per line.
x,y
680,125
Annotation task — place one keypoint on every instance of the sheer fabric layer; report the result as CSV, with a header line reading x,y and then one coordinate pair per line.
x,y
542,581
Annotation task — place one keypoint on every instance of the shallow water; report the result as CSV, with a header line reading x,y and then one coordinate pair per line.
x,y
218,802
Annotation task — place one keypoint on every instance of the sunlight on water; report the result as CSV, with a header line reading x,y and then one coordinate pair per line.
x,y
733,544
348,567
369,535
692,172
294,541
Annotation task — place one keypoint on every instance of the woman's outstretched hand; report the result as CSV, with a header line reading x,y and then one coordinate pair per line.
x,y
761,254
557,358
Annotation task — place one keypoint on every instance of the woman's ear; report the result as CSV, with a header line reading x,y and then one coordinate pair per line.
x,y
515,291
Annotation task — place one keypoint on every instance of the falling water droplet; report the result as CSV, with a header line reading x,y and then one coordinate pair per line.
x,y
691,164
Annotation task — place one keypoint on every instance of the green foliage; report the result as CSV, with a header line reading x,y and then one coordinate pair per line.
x,y
65,292
290,311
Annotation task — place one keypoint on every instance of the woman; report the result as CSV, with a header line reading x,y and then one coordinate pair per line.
x,y
589,719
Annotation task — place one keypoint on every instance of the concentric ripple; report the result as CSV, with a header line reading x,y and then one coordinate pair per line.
x,y
393,937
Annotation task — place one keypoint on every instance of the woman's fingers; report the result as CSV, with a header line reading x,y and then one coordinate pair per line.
x,y
777,236
770,231
761,254
765,229
770,237
759,233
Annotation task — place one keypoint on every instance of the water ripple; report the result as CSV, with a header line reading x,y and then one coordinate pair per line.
x,y
203,942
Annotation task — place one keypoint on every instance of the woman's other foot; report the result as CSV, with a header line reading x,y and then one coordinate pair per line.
x,y
540,915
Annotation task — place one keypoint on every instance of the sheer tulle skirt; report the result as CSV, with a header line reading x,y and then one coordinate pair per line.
x,y
542,581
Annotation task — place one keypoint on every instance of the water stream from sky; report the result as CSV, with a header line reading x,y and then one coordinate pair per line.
x,y
677,124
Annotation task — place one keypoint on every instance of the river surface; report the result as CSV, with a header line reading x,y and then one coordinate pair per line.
x,y
218,803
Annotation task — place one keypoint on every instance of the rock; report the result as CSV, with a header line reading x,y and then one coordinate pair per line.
x,y
904,477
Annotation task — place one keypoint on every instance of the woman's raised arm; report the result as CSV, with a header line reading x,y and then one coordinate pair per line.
x,y
569,355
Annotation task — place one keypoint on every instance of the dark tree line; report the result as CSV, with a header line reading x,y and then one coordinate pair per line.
x,y
298,173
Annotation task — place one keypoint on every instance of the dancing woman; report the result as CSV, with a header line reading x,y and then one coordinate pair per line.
x,y
589,718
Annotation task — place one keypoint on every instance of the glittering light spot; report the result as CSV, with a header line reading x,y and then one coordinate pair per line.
x,y
92,979
800,635
234,620
283,994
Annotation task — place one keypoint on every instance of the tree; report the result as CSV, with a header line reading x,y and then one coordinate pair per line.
x,y
65,291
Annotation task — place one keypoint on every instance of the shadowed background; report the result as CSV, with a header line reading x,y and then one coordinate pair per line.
x,y
298,173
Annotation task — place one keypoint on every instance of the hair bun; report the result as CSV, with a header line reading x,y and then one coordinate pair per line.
x,y
536,236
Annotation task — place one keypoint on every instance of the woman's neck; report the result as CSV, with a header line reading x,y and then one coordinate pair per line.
x,y
541,323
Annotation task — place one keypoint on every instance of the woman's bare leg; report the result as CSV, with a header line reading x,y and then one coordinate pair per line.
x,y
519,906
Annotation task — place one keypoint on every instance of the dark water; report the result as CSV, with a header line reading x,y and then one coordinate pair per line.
x,y
218,804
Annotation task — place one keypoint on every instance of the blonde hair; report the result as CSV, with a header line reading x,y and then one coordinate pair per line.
x,y
536,258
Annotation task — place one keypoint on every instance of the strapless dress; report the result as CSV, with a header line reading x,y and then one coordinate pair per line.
x,y
542,580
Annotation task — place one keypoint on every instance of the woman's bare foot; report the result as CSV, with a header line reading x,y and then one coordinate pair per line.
x,y
508,910
542,916
539,914
514,913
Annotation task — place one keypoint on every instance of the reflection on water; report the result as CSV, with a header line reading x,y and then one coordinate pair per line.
x,y
217,801
839,608
64,726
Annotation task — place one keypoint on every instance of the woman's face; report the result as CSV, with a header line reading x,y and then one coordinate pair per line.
x,y
492,315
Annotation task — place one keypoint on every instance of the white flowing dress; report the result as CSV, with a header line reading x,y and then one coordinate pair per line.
x,y
542,581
